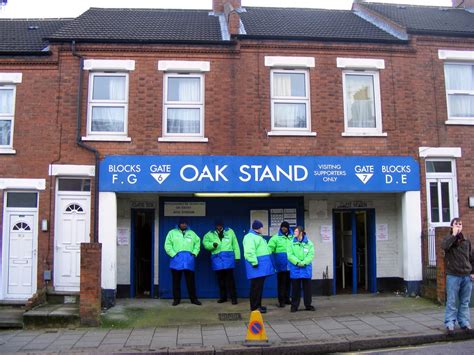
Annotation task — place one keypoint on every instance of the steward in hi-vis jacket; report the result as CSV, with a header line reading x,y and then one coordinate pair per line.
x,y
183,245
258,264
278,245
300,259
225,250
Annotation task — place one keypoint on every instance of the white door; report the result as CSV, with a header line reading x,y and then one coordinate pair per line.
x,y
72,229
21,255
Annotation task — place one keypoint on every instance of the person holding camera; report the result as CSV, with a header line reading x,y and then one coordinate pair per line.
x,y
459,261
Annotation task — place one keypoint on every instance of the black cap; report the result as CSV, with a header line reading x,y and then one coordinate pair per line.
x,y
182,220
285,224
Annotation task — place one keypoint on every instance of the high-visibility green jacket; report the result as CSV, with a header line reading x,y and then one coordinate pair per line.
x,y
182,247
227,250
258,262
278,245
300,258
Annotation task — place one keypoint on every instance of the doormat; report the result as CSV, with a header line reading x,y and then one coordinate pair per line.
x,y
230,316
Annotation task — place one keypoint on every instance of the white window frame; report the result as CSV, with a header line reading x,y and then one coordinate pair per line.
x,y
296,100
362,131
180,104
8,149
112,136
451,179
457,120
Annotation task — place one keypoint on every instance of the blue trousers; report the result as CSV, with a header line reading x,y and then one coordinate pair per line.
x,y
458,288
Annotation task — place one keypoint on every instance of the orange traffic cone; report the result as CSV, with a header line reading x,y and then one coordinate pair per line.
x,y
256,335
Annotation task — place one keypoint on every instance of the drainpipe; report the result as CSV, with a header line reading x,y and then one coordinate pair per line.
x,y
81,144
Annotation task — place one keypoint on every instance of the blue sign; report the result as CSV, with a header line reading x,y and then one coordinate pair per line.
x,y
131,173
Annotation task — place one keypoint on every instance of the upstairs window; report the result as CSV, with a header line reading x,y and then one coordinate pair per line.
x,y
7,113
459,83
184,105
108,104
107,109
8,86
459,78
362,102
183,100
290,100
361,96
290,95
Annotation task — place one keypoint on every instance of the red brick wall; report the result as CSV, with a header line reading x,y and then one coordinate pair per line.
x,y
237,110
36,140
440,267
90,294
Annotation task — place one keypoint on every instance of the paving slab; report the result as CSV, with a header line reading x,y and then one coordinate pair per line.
x,y
339,324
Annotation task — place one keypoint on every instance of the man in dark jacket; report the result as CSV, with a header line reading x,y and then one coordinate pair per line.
x,y
459,261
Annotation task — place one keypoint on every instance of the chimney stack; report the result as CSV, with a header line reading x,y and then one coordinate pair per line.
x,y
463,4
218,5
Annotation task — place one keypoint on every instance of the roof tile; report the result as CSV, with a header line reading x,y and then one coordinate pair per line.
x,y
427,19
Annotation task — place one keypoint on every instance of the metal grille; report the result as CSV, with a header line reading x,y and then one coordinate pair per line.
x,y
229,316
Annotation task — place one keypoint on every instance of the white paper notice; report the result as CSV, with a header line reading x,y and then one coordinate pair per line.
x,y
382,232
326,233
122,236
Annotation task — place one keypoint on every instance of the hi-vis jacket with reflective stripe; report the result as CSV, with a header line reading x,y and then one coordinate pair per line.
x,y
227,250
182,247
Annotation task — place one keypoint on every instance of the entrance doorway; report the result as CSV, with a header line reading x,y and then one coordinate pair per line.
x,y
73,208
354,251
236,214
142,253
19,244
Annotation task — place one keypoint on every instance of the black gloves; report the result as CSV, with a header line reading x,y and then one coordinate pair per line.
x,y
255,266
215,245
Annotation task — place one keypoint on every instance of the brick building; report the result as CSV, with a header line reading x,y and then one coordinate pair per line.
x,y
342,121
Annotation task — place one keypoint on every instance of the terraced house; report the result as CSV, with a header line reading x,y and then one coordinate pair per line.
x,y
356,124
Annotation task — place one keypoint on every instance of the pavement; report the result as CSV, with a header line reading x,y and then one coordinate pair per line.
x,y
339,324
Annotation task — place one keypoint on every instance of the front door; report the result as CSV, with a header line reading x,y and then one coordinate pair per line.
x,y
72,229
21,255
354,251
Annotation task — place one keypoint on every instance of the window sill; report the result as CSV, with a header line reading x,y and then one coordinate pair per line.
x,y
289,133
362,134
459,122
7,151
107,138
184,139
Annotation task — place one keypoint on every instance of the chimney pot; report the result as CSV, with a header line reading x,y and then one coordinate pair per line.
x,y
218,5
463,4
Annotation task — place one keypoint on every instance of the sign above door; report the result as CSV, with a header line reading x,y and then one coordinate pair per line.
x,y
258,174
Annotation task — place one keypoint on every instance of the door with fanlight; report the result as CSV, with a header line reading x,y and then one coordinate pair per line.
x,y
72,228
20,241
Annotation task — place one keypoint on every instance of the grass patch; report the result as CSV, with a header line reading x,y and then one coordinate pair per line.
x,y
137,317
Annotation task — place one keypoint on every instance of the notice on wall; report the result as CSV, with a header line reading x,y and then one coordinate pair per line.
x,y
276,217
326,233
262,216
382,231
318,209
194,209
122,236
289,215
